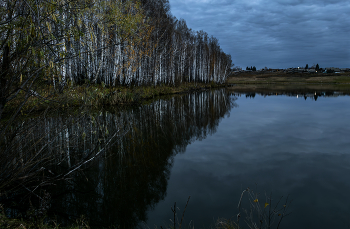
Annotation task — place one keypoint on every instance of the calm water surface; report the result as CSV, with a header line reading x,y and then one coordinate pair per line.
x,y
210,145
279,144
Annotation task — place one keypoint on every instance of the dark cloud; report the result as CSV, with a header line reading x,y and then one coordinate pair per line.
x,y
281,33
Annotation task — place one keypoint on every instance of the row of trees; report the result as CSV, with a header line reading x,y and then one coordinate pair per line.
x,y
252,68
117,42
317,67
159,50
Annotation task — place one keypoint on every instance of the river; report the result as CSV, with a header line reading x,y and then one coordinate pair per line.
x,y
211,146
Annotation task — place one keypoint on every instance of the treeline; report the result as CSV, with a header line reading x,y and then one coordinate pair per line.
x,y
252,68
164,51
120,42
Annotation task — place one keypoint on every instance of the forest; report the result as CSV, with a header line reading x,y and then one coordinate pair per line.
x,y
53,46
120,42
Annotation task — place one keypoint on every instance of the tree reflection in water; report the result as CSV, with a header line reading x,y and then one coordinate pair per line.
x,y
130,176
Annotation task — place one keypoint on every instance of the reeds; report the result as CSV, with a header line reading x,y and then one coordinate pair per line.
x,y
257,213
261,213
176,223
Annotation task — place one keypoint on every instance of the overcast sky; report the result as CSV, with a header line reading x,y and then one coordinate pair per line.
x,y
274,33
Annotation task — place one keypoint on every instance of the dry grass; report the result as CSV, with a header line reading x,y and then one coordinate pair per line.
x,y
97,95
280,81
40,223
286,78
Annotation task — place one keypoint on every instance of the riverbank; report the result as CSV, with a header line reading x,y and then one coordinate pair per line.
x,y
282,81
98,95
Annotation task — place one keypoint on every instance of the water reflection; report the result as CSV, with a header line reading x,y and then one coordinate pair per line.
x,y
153,155
135,148
279,144
313,95
132,177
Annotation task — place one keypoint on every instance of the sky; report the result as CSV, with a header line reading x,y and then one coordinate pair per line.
x,y
274,33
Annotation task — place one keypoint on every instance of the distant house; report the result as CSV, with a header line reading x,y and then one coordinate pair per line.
x,y
237,69
333,69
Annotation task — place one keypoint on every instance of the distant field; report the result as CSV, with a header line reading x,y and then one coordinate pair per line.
x,y
286,81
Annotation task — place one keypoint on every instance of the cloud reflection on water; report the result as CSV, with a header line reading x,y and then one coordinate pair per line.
x,y
285,146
